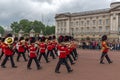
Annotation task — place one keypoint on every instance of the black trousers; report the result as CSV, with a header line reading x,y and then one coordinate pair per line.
x,y
6,59
40,56
70,59
51,53
55,51
106,56
73,55
61,61
15,51
1,55
30,61
19,55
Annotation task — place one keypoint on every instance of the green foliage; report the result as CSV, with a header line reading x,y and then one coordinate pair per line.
x,y
27,25
50,30
2,30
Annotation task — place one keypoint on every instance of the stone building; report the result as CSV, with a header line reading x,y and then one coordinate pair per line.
x,y
90,24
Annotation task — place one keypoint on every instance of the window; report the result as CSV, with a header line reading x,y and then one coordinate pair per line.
x,y
82,22
72,24
100,29
82,29
119,29
65,23
107,21
88,22
88,30
107,28
94,22
77,23
94,29
100,22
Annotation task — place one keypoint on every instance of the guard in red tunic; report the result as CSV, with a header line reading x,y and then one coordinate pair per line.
x,y
8,51
32,54
1,47
68,53
21,49
104,50
50,49
43,50
62,58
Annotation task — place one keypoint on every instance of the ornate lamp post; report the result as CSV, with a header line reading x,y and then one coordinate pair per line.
x,y
0,35
32,33
21,33
41,33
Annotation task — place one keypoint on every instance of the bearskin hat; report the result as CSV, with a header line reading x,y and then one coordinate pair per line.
x,y
104,37
27,39
61,39
16,39
54,37
8,35
50,38
21,38
43,39
32,39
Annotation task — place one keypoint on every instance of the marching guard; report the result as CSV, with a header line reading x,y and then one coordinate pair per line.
x,y
8,51
62,58
33,54
43,50
104,50
21,49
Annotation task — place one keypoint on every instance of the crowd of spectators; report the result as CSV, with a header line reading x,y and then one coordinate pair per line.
x,y
96,44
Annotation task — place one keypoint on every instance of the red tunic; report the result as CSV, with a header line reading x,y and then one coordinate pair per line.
x,y
42,47
49,46
105,48
21,48
32,50
62,51
6,49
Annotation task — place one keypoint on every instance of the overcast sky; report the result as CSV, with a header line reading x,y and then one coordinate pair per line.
x,y
45,10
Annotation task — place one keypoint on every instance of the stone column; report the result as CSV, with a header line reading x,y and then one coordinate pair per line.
x,y
67,27
114,23
56,28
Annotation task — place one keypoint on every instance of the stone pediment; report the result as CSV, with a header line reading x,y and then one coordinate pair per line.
x,y
62,15
117,8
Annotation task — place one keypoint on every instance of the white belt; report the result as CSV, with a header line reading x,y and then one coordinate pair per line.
x,y
62,51
32,51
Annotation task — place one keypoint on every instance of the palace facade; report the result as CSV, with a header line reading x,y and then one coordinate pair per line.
x,y
92,24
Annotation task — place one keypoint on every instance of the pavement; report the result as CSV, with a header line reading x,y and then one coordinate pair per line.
x,y
87,67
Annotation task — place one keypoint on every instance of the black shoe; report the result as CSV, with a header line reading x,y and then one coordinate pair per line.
x,y
3,66
57,71
26,60
72,63
102,63
39,68
18,61
54,58
29,68
110,62
70,71
14,66
47,61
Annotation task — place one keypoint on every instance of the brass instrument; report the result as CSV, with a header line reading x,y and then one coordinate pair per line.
x,y
9,40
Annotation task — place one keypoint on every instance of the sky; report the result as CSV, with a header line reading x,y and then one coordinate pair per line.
x,y
45,10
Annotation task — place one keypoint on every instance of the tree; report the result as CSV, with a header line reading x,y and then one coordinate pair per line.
x,y
27,25
2,30
50,30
